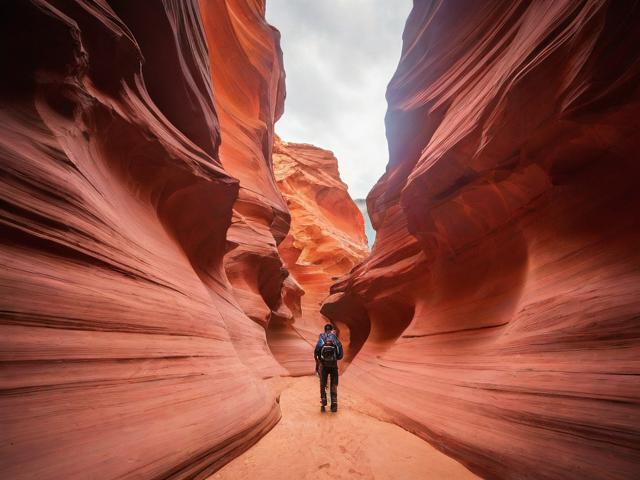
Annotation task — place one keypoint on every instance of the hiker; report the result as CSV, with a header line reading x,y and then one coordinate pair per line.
x,y
327,353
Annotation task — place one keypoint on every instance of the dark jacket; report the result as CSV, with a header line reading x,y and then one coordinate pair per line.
x,y
322,339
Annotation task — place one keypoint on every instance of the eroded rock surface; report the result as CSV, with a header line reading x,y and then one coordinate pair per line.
x,y
325,241
145,240
498,311
140,228
248,80
124,350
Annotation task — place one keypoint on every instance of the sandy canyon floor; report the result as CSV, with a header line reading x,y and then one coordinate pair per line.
x,y
356,442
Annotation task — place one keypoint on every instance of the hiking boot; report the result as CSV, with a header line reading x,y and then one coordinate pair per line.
x,y
334,407
323,408
323,402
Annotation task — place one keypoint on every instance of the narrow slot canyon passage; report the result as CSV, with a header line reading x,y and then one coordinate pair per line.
x,y
360,442
192,190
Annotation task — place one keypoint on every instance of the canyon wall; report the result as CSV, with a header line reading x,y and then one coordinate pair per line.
x,y
125,350
143,291
325,241
248,81
497,315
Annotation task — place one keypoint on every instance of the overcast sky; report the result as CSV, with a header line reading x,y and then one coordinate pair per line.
x,y
339,56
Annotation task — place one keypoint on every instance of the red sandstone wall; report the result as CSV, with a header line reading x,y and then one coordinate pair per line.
x,y
124,351
500,302
326,240
248,81
140,222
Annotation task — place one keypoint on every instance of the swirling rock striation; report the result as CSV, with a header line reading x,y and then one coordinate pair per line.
x,y
325,241
498,310
249,99
124,351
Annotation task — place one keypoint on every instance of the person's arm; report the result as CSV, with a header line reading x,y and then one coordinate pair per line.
x,y
340,351
316,352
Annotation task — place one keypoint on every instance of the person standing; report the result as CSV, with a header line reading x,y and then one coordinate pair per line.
x,y
327,353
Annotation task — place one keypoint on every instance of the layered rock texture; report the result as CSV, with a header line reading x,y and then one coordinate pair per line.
x,y
498,311
248,80
125,350
155,269
326,240
143,292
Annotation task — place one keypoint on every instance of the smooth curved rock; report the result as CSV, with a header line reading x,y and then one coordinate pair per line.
x,y
498,311
119,331
326,240
248,79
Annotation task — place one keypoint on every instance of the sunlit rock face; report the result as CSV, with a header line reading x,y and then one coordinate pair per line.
x,y
326,240
498,311
124,350
248,80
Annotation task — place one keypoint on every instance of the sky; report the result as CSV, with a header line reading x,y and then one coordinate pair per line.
x,y
339,56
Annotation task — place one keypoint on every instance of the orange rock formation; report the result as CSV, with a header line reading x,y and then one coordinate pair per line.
x,y
140,222
326,240
500,302
248,81
146,240
124,348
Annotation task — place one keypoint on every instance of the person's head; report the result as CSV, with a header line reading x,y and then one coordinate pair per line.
x,y
328,327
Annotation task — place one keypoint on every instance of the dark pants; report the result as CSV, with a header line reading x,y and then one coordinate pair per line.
x,y
333,373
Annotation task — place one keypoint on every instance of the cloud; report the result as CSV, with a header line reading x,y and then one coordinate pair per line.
x,y
339,56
